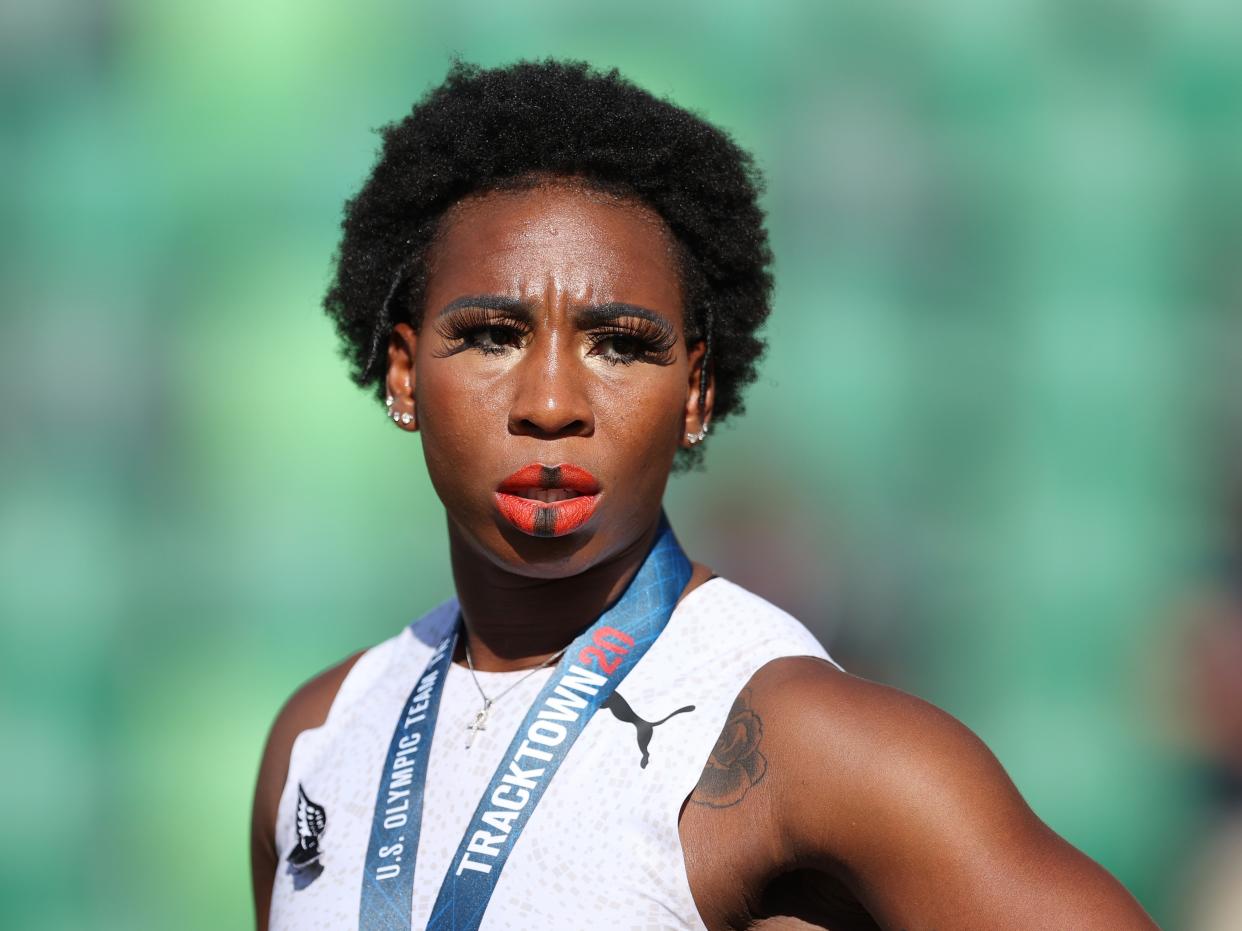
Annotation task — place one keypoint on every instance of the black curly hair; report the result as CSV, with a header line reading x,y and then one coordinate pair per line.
x,y
486,129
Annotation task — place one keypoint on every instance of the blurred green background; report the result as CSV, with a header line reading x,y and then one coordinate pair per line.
x,y
998,392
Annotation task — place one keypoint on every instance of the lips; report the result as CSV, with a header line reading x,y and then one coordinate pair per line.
x,y
548,501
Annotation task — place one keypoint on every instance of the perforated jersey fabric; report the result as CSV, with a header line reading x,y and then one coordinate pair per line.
x,y
601,850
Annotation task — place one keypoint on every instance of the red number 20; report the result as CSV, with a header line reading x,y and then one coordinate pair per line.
x,y
606,639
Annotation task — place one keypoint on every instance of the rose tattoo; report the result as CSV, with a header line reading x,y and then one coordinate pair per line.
x,y
735,763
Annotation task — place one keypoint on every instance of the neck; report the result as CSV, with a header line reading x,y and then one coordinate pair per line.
x,y
514,621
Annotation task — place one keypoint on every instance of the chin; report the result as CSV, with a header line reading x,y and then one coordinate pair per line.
x,y
512,550
549,557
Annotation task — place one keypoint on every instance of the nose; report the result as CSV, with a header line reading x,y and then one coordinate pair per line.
x,y
550,401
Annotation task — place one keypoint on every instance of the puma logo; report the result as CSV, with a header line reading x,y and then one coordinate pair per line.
x,y
623,712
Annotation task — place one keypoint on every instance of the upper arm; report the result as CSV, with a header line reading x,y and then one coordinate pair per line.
x,y
305,709
915,814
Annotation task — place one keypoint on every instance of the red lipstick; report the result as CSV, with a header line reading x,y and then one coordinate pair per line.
x,y
548,501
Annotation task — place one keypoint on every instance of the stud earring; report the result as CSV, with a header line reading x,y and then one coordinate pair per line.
x,y
697,437
404,418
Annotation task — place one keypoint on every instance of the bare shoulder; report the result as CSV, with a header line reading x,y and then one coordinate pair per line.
x,y
880,801
306,708
876,738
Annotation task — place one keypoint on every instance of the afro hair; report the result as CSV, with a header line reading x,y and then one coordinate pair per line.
x,y
486,129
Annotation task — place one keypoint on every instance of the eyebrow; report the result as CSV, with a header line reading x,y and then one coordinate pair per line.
x,y
595,314
487,302
588,316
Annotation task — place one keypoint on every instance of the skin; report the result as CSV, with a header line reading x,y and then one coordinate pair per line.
x,y
829,801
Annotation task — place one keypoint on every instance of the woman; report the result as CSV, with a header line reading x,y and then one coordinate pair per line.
x,y
556,280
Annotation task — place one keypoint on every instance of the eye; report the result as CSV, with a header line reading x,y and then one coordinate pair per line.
x,y
480,329
629,345
619,348
492,339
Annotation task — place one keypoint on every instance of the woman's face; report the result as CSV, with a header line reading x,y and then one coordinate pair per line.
x,y
550,376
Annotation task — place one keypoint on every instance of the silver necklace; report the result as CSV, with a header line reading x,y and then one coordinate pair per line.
x,y
480,717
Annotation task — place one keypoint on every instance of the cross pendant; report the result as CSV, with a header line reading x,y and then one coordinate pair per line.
x,y
478,724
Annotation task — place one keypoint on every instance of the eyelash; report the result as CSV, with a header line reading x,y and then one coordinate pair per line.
x,y
654,345
467,327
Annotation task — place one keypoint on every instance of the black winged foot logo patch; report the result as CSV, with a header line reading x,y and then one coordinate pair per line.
x,y
304,863
623,712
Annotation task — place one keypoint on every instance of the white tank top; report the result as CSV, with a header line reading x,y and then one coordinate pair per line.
x,y
602,849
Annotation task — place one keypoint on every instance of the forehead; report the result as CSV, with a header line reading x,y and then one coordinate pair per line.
x,y
557,243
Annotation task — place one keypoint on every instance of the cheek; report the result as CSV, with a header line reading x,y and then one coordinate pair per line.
x,y
459,418
461,391
645,414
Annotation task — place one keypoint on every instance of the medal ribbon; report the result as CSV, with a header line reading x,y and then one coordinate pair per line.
x,y
388,877
588,673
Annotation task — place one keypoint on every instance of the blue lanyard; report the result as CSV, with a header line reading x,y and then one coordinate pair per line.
x,y
388,880
593,665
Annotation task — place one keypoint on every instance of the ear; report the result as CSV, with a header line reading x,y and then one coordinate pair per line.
x,y
696,420
399,382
